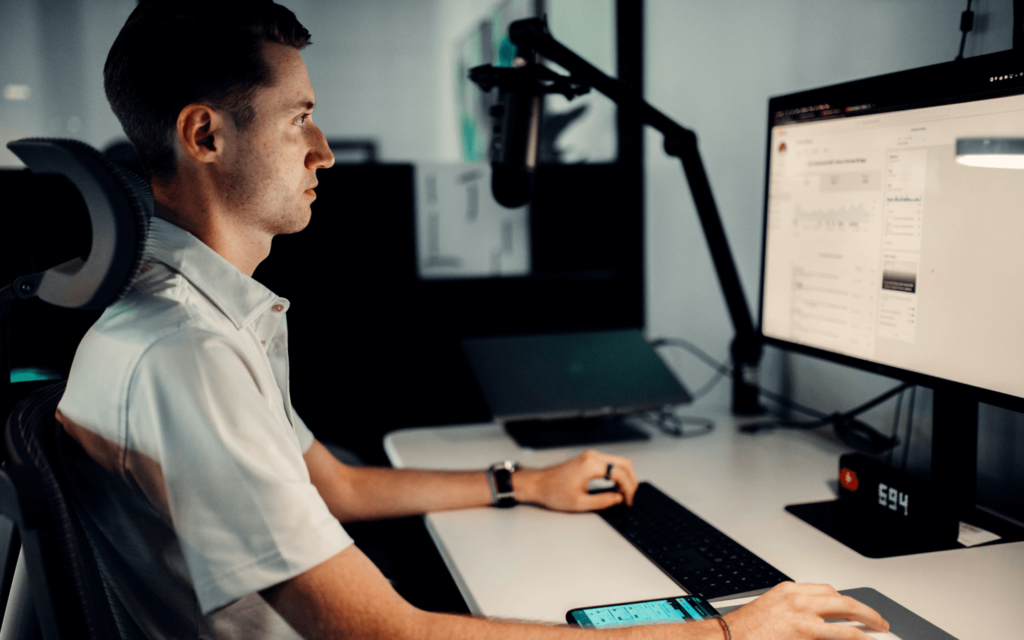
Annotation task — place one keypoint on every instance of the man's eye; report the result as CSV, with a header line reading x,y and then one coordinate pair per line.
x,y
301,120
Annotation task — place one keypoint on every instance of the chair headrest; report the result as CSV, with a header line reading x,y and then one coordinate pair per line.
x,y
120,205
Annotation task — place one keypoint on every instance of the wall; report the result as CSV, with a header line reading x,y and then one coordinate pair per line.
x,y
374,65
57,50
712,67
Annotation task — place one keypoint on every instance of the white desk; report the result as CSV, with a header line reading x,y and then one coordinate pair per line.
x,y
532,564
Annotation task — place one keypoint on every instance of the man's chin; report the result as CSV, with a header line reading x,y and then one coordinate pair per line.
x,y
295,223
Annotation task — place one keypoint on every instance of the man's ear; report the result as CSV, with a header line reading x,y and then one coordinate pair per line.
x,y
201,132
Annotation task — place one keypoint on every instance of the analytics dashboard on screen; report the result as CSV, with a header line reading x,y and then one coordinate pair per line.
x,y
881,247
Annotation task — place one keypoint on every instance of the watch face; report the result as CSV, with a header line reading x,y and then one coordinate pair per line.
x,y
503,478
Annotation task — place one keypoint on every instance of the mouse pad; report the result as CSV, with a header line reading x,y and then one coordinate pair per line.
x,y
904,624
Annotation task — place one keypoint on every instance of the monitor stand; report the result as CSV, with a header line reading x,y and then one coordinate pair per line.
x,y
873,541
954,469
572,432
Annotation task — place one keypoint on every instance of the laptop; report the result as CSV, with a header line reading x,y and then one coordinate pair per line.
x,y
586,381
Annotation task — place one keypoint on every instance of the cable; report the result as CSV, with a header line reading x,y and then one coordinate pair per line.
x,y
790,404
721,370
870,404
862,436
896,414
669,423
851,431
822,419
895,424
694,349
966,24
910,425
856,433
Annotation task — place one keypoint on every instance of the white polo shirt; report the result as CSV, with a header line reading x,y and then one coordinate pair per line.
x,y
195,484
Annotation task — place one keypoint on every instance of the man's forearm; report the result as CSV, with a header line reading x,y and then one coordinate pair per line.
x,y
347,597
372,493
433,626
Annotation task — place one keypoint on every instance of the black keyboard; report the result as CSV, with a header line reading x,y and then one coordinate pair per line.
x,y
699,557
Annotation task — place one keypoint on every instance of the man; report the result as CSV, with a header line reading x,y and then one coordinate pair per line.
x,y
214,510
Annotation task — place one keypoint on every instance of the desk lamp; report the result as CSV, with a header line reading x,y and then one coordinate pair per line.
x,y
120,206
513,155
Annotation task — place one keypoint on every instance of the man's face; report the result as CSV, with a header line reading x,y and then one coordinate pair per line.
x,y
272,164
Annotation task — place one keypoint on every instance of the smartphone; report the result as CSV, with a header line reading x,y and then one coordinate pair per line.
x,y
629,614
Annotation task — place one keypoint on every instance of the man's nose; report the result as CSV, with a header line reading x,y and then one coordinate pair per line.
x,y
320,157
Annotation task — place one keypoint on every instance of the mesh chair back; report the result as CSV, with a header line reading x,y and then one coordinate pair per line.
x,y
68,593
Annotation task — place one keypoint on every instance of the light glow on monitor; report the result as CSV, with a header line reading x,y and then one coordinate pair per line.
x,y
991,153
992,161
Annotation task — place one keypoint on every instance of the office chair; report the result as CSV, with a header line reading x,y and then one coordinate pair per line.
x,y
67,593
123,153
59,570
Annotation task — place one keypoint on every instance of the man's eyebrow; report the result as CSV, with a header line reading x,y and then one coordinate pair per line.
x,y
304,105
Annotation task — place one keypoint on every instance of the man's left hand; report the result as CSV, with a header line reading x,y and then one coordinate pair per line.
x,y
564,487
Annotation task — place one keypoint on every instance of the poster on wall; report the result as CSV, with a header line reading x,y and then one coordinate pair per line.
x,y
461,231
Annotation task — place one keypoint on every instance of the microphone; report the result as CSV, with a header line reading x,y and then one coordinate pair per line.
x,y
517,113
514,141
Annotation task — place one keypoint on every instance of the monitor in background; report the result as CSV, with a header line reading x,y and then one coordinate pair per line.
x,y
883,253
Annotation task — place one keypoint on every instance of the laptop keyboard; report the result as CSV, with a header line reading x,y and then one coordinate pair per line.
x,y
697,556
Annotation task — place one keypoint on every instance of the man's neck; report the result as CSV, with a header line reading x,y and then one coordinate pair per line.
x,y
236,242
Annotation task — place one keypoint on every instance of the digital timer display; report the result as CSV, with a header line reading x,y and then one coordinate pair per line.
x,y
893,498
882,494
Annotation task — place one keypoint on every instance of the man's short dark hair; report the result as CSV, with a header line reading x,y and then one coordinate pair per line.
x,y
172,53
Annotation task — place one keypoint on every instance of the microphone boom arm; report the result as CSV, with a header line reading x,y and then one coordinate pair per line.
x,y
532,35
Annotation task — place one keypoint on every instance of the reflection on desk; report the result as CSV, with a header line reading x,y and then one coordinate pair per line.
x,y
532,564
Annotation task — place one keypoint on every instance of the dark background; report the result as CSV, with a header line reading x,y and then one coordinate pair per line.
x,y
373,348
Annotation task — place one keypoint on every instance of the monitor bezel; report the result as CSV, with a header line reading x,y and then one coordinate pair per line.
x,y
989,76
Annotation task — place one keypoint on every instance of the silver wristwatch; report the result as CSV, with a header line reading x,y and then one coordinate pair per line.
x,y
499,476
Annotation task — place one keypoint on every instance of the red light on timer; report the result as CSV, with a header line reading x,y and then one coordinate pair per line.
x,y
848,479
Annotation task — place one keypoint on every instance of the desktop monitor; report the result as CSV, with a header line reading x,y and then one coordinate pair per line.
x,y
883,253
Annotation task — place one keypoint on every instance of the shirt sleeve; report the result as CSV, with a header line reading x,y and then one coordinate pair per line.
x,y
303,433
230,468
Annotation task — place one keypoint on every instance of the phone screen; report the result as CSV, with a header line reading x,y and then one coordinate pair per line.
x,y
683,609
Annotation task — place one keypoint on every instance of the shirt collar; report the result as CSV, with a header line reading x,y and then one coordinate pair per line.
x,y
237,295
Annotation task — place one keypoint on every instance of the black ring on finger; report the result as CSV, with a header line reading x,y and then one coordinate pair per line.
x,y
608,471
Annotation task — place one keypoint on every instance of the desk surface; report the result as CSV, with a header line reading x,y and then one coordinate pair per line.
x,y
531,564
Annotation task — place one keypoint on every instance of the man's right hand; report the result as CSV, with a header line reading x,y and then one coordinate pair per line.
x,y
798,612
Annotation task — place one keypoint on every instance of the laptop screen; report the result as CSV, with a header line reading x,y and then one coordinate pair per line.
x,y
571,374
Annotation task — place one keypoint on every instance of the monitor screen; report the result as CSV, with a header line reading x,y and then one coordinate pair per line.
x,y
880,249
